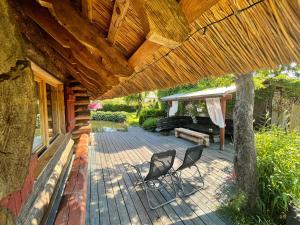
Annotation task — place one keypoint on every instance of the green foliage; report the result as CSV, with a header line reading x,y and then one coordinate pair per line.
x,y
278,164
150,124
109,116
291,86
132,119
119,107
237,215
278,167
152,112
213,82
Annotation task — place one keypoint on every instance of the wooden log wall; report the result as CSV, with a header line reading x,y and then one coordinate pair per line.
x,y
82,114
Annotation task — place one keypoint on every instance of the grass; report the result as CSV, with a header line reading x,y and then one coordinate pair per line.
x,y
235,213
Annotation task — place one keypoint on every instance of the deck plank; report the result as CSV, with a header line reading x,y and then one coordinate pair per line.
x,y
113,199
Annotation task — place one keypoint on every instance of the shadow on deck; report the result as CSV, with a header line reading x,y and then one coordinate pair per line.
x,y
112,199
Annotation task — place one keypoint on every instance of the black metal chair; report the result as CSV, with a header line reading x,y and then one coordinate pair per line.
x,y
160,166
192,155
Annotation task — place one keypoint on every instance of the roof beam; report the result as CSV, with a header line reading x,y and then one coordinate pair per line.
x,y
164,24
193,9
103,80
47,22
87,9
89,36
146,50
117,18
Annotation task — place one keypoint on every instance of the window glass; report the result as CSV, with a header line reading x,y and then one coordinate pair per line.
x,y
52,111
38,141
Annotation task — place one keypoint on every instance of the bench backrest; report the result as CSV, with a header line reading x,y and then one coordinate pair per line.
x,y
170,123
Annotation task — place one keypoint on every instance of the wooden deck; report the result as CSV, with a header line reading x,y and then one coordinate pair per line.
x,y
112,199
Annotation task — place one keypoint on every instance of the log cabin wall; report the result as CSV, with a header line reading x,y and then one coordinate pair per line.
x,y
78,113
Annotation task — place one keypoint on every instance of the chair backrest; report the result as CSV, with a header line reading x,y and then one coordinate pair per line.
x,y
192,155
160,164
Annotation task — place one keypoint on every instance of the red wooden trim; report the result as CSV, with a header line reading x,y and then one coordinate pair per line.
x,y
73,205
15,200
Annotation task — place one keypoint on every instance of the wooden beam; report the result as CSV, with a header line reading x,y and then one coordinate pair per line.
x,y
146,50
104,78
89,36
165,23
45,3
88,79
87,9
45,20
193,9
118,15
44,75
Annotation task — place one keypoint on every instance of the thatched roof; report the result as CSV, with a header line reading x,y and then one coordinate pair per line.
x,y
133,46
196,95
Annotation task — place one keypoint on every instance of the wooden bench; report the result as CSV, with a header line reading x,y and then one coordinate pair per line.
x,y
194,136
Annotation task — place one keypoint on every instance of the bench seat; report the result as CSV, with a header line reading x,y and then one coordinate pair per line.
x,y
194,136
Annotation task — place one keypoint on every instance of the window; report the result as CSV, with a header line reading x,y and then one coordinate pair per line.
x,y
37,141
49,109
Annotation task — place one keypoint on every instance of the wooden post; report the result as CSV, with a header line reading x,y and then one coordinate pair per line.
x,y
70,109
222,130
169,106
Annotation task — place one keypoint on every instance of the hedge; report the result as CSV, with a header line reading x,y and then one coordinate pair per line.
x,y
150,124
148,113
109,116
118,108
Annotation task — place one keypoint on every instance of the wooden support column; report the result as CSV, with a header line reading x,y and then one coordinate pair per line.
x,y
70,109
169,106
222,130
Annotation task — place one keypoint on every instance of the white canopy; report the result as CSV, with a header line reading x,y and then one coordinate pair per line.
x,y
207,93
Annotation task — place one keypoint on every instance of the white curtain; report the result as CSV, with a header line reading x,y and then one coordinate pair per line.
x,y
215,112
173,108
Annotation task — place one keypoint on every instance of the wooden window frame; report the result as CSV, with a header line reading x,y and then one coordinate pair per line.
x,y
42,78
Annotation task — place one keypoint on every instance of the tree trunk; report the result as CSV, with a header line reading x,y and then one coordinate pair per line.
x,y
17,109
244,141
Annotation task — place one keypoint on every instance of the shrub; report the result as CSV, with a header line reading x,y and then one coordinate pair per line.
x,y
150,124
109,116
278,167
278,164
148,113
118,107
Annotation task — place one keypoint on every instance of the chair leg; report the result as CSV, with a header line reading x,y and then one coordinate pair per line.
x,y
195,189
162,204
